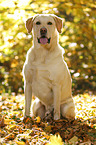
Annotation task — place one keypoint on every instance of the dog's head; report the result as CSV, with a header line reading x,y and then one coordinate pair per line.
x,y
44,27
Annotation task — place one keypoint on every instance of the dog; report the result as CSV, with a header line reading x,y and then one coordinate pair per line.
x,y
46,74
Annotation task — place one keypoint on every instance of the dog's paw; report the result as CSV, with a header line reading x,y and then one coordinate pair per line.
x,y
56,116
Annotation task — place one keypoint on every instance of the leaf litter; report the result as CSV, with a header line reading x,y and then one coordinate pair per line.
x,y
14,129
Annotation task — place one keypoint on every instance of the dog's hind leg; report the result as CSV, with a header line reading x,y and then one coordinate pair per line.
x,y
68,110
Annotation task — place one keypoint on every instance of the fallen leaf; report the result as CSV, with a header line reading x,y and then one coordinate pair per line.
x,y
8,121
86,143
48,128
33,130
38,119
2,124
10,136
20,143
73,140
54,139
12,126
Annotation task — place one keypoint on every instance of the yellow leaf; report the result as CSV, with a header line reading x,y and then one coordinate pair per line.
x,y
48,128
12,126
55,140
20,143
10,136
73,140
14,64
95,126
38,119
8,121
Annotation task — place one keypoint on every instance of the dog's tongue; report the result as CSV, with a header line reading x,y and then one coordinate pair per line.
x,y
43,40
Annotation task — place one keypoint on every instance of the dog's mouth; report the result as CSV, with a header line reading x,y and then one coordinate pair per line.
x,y
44,40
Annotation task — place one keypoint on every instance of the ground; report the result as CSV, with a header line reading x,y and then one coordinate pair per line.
x,y
16,130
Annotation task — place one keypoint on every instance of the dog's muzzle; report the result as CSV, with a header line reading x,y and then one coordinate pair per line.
x,y
43,39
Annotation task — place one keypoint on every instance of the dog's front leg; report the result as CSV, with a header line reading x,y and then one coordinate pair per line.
x,y
28,98
57,97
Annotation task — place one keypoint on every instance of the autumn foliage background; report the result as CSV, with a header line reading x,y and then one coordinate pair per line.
x,y
78,39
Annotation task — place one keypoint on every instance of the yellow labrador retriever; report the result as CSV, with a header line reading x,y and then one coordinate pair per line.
x,y
46,74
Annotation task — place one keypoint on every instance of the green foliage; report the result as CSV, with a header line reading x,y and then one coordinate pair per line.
x,y
78,39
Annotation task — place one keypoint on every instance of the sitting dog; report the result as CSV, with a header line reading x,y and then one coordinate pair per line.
x,y
46,74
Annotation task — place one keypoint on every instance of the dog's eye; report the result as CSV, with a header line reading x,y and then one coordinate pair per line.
x,y
49,23
38,23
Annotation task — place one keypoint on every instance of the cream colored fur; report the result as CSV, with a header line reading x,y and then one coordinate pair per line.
x,y
46,74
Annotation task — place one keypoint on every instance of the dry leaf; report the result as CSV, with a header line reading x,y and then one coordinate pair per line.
x,y
34,129
38,119
20,143
73,140
2,124
55,140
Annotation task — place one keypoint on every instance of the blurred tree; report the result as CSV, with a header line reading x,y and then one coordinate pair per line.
x,y
78,39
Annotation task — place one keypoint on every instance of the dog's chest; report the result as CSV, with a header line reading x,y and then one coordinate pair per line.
x,y
41,83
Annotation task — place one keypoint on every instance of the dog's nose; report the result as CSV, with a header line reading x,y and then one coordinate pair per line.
x,y
43,31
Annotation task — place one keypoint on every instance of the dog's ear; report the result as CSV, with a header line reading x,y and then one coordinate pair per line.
x,y
29,24
59,23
